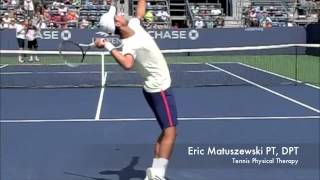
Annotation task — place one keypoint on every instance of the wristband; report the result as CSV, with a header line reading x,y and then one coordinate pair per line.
x,y
109,46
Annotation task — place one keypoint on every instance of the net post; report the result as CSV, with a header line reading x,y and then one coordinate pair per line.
x,y
102,70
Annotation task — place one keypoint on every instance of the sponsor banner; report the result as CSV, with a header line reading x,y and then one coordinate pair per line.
x,y
50,39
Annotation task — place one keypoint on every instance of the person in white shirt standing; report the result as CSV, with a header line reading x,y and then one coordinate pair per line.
x,y
21,29
31,36
142,53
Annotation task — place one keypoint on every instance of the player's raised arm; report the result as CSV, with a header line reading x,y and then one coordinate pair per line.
x,y
141,9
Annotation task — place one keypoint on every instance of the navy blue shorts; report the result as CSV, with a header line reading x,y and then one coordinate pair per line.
x,y
163,106
20,43
33,44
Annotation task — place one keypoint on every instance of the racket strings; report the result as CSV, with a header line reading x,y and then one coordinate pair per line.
x,y
71,53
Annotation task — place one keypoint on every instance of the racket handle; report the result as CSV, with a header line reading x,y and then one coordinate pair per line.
x,y
109,46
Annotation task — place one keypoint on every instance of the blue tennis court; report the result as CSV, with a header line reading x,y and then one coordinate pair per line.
x,y
107,133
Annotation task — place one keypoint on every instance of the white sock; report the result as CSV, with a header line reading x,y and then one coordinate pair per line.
x,y
154,163
161,166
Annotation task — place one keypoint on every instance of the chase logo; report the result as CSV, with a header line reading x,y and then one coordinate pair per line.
x,y
175,34
193,34
65,35
54,35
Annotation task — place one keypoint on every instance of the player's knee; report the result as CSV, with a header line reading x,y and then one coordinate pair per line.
x,y
170,132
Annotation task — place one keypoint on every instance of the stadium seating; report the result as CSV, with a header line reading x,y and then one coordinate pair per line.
x,y
160,17
211,14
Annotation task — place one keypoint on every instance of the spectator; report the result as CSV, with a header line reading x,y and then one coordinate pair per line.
x,y
62,21
216,12
12,24
29,7
199,24
20,13
31,36
84,24
51,26
6,20
5,3
68,2
41,20
14,2
62,10
162,16
21,29
148,17
45,12
210,24
175,26
1,24
72,16
220,22
195,9
265,20
253,18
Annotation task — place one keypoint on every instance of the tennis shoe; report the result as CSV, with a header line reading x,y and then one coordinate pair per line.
x,y
31,59
151,175
20,59
37,59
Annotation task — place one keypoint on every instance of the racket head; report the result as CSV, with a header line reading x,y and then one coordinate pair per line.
x,y
72,53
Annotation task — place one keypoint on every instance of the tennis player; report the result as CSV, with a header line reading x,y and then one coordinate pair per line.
x,y
142,53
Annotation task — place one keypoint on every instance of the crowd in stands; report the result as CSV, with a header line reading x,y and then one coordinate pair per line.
x,y
207,15
294,13
86,13
54,14
157,15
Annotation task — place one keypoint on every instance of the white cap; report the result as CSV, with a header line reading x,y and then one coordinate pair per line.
x,y
107,20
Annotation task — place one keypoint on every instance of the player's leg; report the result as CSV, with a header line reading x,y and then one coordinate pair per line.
x,y
167,141
21,47
30,46
157,146
35,46
164,108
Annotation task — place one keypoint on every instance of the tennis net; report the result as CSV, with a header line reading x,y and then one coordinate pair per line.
x,y
289,64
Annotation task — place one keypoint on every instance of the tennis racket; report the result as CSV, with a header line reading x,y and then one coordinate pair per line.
x,y
72,53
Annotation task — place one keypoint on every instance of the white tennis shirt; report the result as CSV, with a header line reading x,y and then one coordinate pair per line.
x,y
149,61
20,31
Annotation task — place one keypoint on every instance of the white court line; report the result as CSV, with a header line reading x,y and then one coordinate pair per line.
x,y
99,106
279,75
200,71
267,89
4,66
153,119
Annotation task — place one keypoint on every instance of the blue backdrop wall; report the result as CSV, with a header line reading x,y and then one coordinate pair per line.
x,y
173,39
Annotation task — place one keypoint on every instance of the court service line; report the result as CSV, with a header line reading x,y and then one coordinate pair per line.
x,y
267,89
279,75
4,66
99,106
153,119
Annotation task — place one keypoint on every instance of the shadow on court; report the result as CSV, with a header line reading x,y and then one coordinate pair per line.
x,y
125,173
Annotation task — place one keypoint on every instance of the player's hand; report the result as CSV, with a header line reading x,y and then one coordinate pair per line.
x,y
100,42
